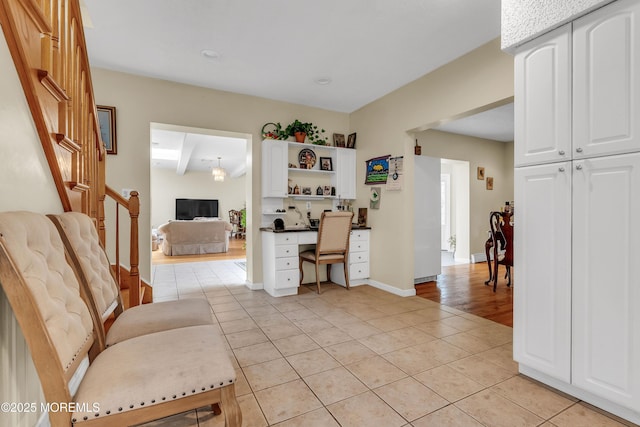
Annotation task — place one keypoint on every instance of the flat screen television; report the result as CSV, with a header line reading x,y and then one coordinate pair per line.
x,y
192,208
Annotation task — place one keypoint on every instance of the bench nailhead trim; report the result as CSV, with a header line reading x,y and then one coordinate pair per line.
x,y
85,418
130,406
108,412
120,409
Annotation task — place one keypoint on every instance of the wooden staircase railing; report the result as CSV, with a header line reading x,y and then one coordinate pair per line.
x,y
133,282
47,44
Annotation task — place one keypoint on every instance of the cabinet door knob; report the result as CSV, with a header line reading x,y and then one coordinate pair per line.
x,y
561,152
579,167
560,169
578,150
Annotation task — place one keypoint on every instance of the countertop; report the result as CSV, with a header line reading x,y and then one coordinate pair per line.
x,y
295,230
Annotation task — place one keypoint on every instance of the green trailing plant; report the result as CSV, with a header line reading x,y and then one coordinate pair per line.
x,y
314,134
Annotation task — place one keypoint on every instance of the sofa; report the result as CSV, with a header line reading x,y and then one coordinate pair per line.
x,y
200,236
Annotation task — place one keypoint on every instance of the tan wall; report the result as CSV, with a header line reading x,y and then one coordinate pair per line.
x,y
480,78
141,101
167,186
497,160
25,184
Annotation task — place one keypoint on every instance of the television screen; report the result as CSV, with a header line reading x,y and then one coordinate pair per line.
x,y
192,208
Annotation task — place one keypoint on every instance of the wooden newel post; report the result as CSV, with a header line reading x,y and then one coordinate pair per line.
x,y
134,275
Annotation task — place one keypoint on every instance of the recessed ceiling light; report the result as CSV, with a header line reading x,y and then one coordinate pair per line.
x,y
322,80
210,54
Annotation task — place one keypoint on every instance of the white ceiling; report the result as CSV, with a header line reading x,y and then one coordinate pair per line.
x,y
496,124
277,49
190,149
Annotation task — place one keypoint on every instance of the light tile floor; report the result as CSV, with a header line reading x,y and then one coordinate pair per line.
x,y
364,357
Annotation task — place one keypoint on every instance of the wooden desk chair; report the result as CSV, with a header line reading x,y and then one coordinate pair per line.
x,y
93,268
136,381
501,244
332,246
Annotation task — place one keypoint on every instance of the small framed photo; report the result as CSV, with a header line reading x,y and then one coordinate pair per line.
x,y
327,190
480,173
306,191
326,164
107,120
489,183
338,140
351,141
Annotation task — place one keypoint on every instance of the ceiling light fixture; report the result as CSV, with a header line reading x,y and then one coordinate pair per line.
x,y
322,81
210,54
219,173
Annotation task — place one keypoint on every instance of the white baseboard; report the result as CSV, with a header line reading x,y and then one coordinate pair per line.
x,y
391,289
254,286
479,257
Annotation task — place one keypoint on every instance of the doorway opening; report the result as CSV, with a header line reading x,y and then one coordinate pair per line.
x,y
454,211
199,164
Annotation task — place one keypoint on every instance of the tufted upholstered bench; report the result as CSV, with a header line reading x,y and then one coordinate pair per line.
x,y
94,271
138,380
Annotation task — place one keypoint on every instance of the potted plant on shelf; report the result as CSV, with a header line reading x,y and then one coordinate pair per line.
x,y
301,130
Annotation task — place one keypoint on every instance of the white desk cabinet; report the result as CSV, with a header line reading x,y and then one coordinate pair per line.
x,y
280,262
358,259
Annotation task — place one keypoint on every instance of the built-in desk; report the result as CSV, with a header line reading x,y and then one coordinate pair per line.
x,y
280,263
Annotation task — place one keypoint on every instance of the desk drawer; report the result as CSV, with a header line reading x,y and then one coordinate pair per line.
x,y
359,270
359,235
286,238
355,257
285,251
358,245
287,279
287,263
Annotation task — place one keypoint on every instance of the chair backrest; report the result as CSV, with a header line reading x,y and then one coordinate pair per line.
x,y
502,233
333,233
89,260
44,294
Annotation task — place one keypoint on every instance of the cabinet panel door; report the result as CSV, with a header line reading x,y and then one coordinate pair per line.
x,y
275,156
606,278
542,269
606,90
543,99
346,173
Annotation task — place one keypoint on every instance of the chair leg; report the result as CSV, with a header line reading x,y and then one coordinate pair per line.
x,y
301,272
329,272
317,278
346,274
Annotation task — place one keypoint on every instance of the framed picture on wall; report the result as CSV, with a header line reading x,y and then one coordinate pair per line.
x,y
338,140
351,141
489,183
107,120
480,173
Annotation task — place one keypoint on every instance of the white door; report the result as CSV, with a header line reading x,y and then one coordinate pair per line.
x,y
275,156
543,99
542,269
606,82
445,211
346,173
606,278
427,257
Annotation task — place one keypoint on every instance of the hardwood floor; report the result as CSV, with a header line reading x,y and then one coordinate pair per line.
x,y
462,287
236,251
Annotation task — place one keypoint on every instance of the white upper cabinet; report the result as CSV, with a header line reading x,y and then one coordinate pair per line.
x,y
543,99
606,91
542,254
346,173
606,275
275,156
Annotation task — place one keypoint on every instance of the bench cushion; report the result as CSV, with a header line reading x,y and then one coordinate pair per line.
x,y
152,369
159,316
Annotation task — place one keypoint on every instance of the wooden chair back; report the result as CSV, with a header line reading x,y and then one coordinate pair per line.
x,y
333,233
89,260
44,294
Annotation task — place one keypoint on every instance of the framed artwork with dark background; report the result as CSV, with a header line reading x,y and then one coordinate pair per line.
x,y
107,120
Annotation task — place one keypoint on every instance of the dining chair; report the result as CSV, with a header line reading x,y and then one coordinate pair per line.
x,y
332,246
